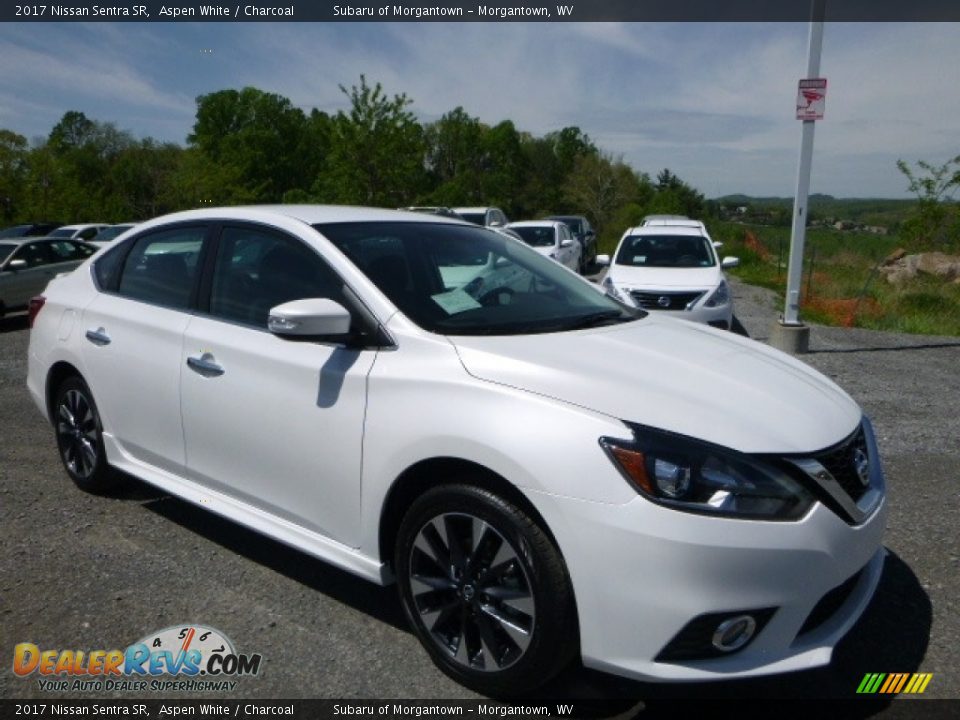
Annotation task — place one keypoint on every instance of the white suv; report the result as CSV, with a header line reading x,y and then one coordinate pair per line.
x,y
671,265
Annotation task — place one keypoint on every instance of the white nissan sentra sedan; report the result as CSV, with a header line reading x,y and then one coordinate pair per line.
x,y
543,471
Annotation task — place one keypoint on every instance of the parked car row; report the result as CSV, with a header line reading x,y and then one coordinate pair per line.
x,y
32,253
545,471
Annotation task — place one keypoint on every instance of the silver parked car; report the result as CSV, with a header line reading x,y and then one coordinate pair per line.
x,y
28,264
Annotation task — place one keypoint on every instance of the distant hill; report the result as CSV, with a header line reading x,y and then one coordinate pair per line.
x,y
873,211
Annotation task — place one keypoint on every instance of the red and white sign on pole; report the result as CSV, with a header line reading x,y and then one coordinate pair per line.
x,y
811,99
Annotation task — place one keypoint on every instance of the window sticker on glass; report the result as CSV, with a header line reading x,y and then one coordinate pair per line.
x,y
455,301
639,259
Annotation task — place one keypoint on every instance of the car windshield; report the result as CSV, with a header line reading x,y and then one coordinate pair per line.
x,y
461,280
666,251
5,250
109,233
536,236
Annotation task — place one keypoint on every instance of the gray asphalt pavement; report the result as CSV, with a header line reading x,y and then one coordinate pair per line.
x,y
84,572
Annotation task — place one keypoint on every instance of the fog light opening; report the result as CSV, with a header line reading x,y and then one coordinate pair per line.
x,y
733,633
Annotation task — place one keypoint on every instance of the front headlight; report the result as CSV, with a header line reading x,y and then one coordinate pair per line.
x,y
613,292
720,296
696,476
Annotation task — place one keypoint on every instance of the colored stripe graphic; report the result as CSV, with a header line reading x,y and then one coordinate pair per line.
x,y
894,683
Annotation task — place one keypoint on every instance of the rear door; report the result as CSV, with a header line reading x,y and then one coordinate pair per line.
x,y
134,338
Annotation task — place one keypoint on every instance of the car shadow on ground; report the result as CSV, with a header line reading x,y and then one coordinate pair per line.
x,y
12,323
891,636
378,602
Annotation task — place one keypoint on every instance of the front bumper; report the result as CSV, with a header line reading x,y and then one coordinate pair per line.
x,y
642,572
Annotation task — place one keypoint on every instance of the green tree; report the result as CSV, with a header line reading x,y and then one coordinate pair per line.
x,y
13,173
935,222
377,151
601,184
674,196
263,142
454,158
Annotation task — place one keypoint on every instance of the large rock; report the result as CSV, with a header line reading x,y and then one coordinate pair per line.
x,y
899,268
939,264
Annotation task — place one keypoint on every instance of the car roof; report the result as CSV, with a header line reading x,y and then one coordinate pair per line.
x,y
566,217
534,223
82,226
478,209
34,238
308,214
658,229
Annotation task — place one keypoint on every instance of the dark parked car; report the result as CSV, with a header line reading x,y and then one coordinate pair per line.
x,y
29,229
585,234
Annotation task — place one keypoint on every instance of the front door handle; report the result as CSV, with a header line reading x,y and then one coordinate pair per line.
x,y
98,336
205,365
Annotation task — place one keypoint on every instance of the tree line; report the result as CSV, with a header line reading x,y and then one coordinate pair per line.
x,y
252,146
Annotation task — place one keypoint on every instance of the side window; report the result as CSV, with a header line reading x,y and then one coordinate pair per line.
x,y
256,270
65,251
34,253
161,267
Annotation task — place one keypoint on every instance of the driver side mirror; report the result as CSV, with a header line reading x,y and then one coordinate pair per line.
x,y
566,243
311,317
603,260
17,264
730,262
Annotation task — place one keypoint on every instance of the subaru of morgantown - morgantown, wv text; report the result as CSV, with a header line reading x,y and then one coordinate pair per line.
x,y
544,471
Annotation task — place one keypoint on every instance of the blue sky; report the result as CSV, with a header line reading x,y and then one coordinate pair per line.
x,y
713,102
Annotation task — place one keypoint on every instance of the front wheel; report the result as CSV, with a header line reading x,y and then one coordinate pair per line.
x,y
486,590
80,437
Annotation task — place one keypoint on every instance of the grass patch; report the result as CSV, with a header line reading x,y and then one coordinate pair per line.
x,y
840,285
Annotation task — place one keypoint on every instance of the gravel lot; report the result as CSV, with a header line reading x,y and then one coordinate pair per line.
x,y
101,572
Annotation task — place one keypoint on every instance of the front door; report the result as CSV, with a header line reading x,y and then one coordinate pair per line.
x,y
273,422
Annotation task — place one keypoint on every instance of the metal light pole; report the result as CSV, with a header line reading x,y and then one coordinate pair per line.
x,y
789,333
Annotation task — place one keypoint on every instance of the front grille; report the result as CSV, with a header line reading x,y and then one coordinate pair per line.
x,y
840,462
829,604
670,300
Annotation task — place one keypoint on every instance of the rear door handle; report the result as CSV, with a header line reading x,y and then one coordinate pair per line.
x,y
98,336
205,365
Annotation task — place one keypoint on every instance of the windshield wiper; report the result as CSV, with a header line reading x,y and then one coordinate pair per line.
x,y
606,317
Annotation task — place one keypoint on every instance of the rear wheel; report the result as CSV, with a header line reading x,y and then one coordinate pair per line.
x,y
486,590
80,437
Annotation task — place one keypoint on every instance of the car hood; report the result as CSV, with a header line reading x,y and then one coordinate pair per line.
x,y
656,277
677,376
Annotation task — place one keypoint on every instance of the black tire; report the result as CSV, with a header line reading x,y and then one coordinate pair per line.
x,y
79,433
496,613
737,327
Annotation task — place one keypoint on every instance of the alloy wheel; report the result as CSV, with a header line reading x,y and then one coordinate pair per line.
x,y
78,434
472,592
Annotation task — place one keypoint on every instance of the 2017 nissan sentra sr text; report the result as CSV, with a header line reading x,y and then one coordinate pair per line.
x,y
544,471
